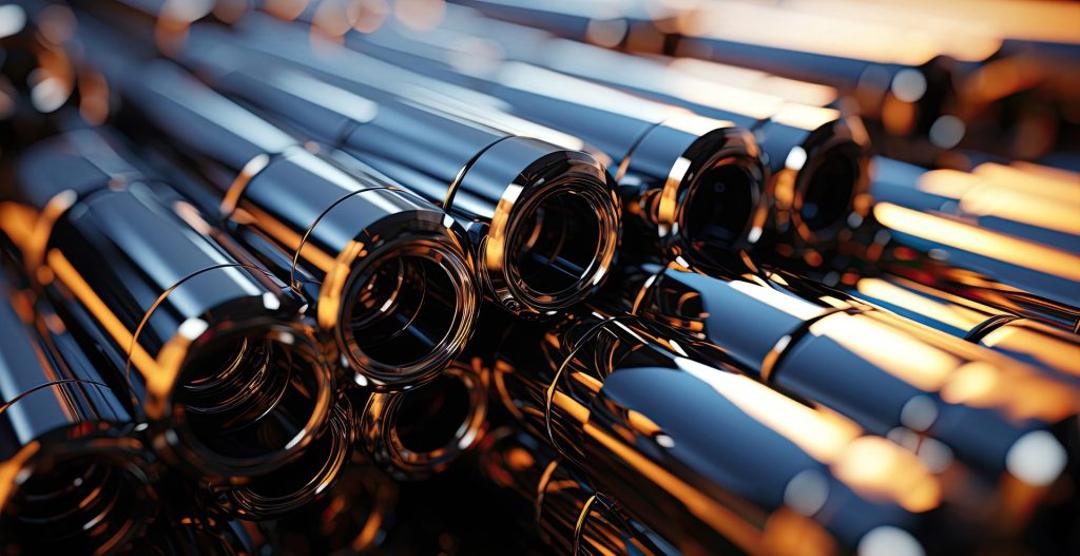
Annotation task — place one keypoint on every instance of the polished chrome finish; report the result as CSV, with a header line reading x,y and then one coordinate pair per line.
x,y
671,165
1039,345
420,432
1020,276
75,471
627,406
516,195
299,482
185,327
893,377
337,234
816,157
636,25
1025,206
905,84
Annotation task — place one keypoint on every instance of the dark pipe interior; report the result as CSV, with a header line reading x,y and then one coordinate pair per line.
x,y
719,207
404,311
79,503
254,404
558,242
431,416
829,194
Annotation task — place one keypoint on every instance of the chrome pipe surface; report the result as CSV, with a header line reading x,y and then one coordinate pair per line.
x,y
76,473
1023,339
817,157
390,276
517,196
893,377
188,329
625,405
688,184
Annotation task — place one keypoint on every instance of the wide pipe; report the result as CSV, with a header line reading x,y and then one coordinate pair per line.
x,y
349,239
688,184
211,347
75,471
625,405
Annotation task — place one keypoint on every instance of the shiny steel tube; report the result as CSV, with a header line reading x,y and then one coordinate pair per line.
x,y
626,406
689,185
924,389
641,26
1016,209
1015,275
211,348
420,432
1051,349
571,517
905,83
75,472
296,483
389,274
816,157
519,197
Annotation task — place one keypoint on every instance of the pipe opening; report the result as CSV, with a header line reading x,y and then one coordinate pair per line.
x,y
406,311
250,399
414,433
719,207
301,481
434,416
82,503
829,194
557,244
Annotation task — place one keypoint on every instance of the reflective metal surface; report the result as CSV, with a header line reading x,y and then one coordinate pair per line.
x,y
515,194
893,377
628,406
672,166
339,234
467,277
75,471
186,327
816,158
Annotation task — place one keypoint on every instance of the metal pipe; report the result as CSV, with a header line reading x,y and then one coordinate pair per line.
x,y
211,348
389,274
688,184
627,406
75,471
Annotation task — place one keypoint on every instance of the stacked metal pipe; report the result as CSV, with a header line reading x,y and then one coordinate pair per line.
x,y
641,277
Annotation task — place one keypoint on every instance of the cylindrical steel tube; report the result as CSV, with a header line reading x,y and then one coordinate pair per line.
x,y
211,348
817,158
75,473
689,184
905,83
420,432
519,197
1016,209
641,26
893,377
1051,349
1022,277
390,274
626,406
